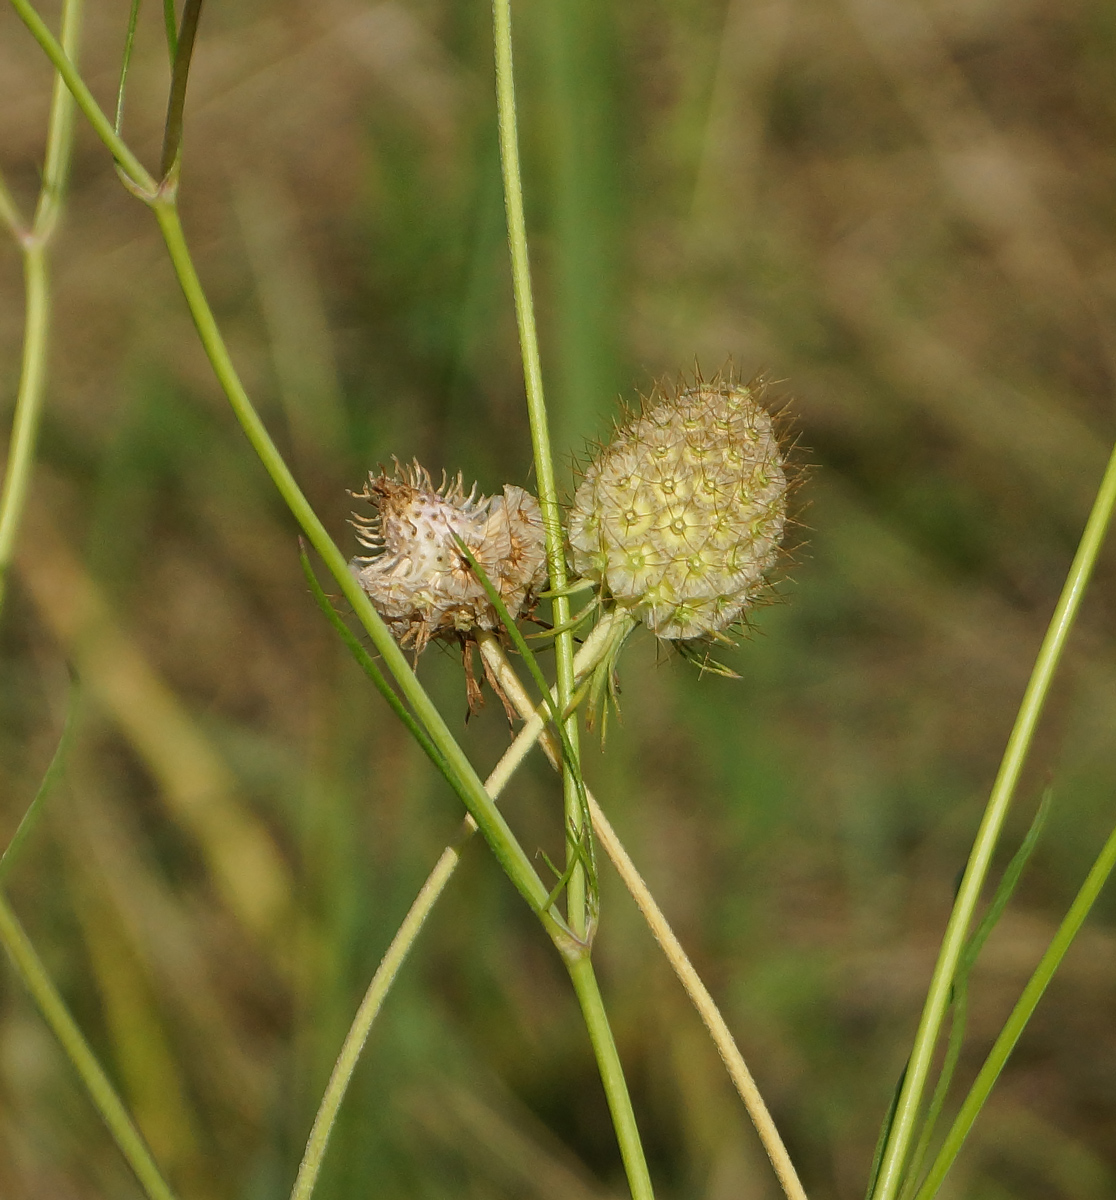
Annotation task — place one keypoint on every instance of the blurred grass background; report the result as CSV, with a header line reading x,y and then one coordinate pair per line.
x,y
903,208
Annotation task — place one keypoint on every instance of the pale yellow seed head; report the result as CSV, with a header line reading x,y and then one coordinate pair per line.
x,y
681,516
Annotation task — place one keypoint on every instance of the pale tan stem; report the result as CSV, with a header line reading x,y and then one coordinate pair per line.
x,y
535,718
699,995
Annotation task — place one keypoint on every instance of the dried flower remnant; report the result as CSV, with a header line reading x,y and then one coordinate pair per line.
x,y
680,516
416,576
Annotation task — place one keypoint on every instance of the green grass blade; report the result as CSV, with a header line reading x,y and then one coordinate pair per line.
x,y
885,1132
50,780
1024,1008
999,802
960,1002
1013,872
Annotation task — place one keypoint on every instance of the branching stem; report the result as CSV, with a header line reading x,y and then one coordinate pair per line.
x,y
680,963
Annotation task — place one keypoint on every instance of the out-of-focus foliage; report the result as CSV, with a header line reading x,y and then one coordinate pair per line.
x,y
905,208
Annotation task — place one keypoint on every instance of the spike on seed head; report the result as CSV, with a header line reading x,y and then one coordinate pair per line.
x,y
693,490
416,576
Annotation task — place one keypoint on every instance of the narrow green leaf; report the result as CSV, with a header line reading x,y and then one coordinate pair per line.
x,y
364,661
995,813
126,62
569,753
170,22
885,1133
1022,1012
53,774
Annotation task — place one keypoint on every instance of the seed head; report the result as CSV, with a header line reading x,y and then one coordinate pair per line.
x,y
680,516
417,577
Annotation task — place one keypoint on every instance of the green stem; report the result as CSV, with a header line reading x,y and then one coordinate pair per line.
x,y
36,275
699,995
28,411
1020,1015
171,31
492,824
107,1102
9,212
612,1075
576,909
1003,790
102,126
355,1039
408,932
176,104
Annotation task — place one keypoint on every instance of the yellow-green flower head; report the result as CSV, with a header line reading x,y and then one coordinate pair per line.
x,y
416,576
681,515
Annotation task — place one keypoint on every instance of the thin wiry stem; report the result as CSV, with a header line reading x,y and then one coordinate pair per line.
x,y
576,897
176,104
407,934
698,993
1015,1024
1003,790
9,212
134,170
495,828
65,1029
35,244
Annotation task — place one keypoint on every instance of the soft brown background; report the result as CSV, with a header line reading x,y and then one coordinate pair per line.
x,y
906,211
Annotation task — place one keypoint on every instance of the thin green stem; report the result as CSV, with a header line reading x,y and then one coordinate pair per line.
x,y
576,908
171,30
1003,790
1020,1015
36,322
364,660
370,1006
35,978
612,1075
420,909
691,981
9,212
176,104
125,64
102,126
28,410
492,824
960,1000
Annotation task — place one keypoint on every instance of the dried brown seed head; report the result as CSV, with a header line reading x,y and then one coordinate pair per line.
x,y
417,577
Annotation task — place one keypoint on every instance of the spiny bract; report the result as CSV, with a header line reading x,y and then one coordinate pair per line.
x,y
680,516
417,577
